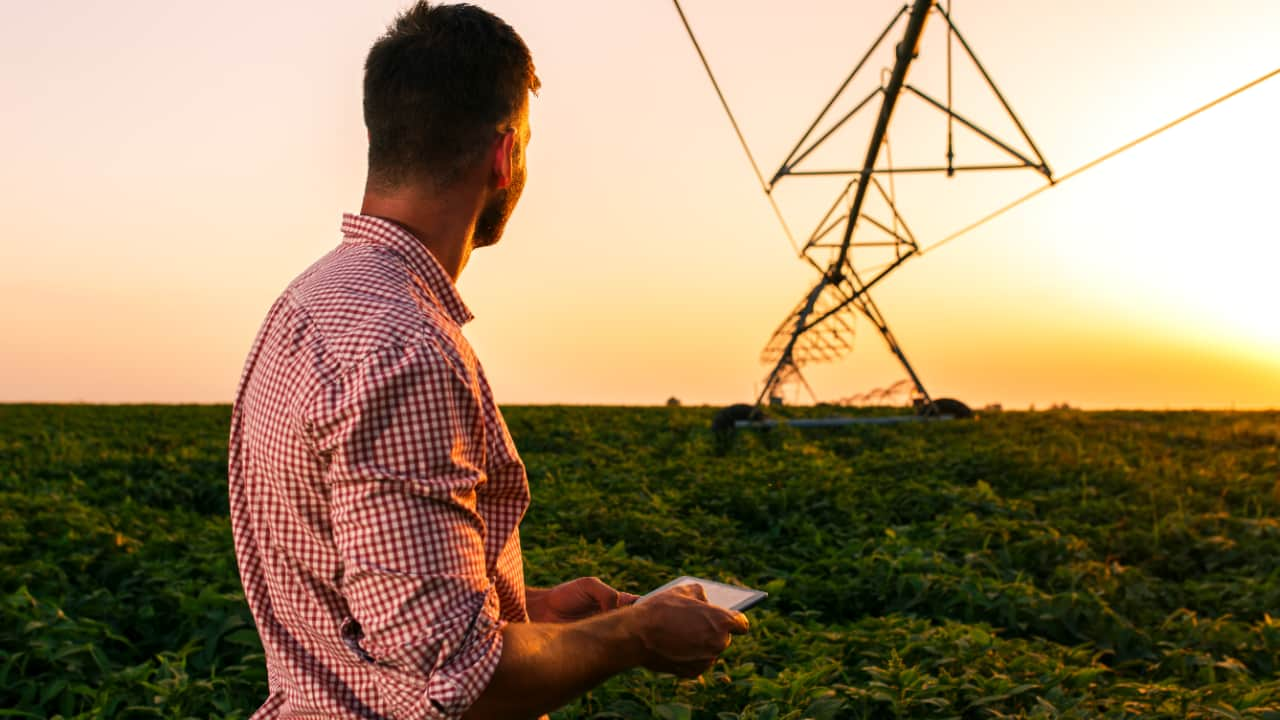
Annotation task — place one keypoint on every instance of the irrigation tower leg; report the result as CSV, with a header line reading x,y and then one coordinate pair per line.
x,y
906,52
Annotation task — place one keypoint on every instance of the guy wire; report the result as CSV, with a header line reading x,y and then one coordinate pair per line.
x,y
1095,162
738,131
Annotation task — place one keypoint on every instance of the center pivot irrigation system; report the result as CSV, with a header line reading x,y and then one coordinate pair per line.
x,y
851,248
863,237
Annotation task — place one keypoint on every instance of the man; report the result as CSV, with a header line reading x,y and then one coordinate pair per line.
x,y
376,495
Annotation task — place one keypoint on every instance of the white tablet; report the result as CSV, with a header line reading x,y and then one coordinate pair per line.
x,y
719,594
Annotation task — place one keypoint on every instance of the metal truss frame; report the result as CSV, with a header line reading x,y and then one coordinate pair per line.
x,y
820,328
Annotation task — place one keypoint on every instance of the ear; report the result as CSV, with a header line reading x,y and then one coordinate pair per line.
x,y
503,158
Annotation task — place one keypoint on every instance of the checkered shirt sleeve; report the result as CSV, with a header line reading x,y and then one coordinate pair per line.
x,y
404,473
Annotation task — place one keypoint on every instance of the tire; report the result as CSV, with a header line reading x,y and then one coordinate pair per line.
x,y
724,421
948,406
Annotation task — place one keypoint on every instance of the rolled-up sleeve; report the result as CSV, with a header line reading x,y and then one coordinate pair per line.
x,y
407,456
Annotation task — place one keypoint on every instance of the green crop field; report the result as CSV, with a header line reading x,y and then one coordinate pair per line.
x,y
1054,564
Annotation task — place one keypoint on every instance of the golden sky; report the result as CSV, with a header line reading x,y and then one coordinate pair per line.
x,y
170,166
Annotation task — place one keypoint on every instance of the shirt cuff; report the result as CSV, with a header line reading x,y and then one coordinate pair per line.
x,y
461,677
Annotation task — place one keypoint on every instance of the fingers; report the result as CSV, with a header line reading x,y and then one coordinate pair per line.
x,y
738,623
688,633
728,640
605,596
693,590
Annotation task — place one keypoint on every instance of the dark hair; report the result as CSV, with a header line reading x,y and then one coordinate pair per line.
x,y
437,86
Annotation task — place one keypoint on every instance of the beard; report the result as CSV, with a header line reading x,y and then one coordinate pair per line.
x,y
493,217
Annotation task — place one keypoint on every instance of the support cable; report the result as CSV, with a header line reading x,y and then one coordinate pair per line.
x,y
1097,161
737,130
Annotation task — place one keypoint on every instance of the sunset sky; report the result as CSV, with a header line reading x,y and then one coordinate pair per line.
x,y
170,166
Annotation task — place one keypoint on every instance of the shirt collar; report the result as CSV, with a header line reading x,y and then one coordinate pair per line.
x,y
366,228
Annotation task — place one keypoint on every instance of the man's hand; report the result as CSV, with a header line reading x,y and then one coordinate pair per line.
x,y
683,634
574,600
546,664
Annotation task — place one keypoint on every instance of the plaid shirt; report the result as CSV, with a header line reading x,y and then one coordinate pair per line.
x,y
375,491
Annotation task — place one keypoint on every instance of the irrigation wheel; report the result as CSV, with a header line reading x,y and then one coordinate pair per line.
x,y
948,406
723,421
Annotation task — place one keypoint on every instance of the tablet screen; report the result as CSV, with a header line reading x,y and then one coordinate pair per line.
x,y
731,597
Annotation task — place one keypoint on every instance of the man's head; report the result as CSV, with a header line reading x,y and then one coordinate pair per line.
x,y
445,90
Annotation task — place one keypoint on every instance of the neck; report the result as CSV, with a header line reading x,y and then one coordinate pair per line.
x,y
444,221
